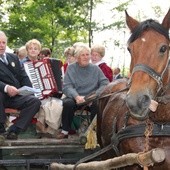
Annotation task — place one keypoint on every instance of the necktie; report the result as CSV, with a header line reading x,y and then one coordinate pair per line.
x,y
3,58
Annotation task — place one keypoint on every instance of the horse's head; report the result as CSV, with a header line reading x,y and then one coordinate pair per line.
x,y
149,49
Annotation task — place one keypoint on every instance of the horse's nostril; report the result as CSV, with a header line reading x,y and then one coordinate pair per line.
x,y
143,101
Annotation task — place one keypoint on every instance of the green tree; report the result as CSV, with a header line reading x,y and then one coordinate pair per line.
x,y
55,23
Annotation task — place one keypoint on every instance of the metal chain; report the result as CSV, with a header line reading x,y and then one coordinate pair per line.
x,y
148,133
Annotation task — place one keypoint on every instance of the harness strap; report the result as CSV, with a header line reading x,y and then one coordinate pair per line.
x,y
151,72
93,97
138,131
126,133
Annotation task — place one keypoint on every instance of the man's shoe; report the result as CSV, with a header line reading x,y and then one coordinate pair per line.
x,y
11,136
12,133
72,132
60,136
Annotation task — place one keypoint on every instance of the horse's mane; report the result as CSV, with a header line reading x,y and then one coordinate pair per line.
x,y
145,25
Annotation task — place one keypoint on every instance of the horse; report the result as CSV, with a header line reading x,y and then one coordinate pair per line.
x,y
135,117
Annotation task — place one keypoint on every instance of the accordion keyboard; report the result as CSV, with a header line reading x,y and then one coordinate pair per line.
x,y
34,77
42,78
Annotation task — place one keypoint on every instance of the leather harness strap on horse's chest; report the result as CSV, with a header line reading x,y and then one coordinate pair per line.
x,y
138,131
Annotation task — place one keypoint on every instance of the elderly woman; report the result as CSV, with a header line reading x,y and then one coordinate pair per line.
x,y
97,54
33,48
81,79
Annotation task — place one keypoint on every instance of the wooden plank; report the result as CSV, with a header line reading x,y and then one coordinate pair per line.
x,y
43,141
42,150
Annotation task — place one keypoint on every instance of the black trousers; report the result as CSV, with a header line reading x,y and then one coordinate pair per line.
x,y
28,105
69,108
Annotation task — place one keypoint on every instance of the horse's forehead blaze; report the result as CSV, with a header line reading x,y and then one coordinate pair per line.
x,y
150,38
147,49
143,39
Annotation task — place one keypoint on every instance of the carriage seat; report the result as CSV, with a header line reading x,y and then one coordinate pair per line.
x,y
15,113
12,112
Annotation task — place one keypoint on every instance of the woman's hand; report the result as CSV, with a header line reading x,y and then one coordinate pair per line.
x,y
79,99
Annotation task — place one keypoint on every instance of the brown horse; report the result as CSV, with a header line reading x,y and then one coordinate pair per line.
x,y
126,119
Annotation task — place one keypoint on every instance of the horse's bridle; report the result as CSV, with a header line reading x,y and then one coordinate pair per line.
x,y
151,72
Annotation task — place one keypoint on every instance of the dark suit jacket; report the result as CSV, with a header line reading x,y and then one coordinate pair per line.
x,y
13,74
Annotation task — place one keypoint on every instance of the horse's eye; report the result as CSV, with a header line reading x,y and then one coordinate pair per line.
x,y
128,49
163,49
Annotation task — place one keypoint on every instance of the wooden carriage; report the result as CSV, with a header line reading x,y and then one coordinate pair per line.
x,y
30,151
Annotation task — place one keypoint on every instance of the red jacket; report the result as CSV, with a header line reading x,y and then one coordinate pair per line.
x,y
107,71
65,67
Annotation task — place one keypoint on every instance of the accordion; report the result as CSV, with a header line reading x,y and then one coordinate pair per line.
x,y
46,76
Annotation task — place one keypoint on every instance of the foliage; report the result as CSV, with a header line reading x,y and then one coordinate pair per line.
x,y
58,23
55,23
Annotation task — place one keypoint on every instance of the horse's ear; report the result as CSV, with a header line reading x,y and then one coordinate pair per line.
x,y
166,21
131,22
